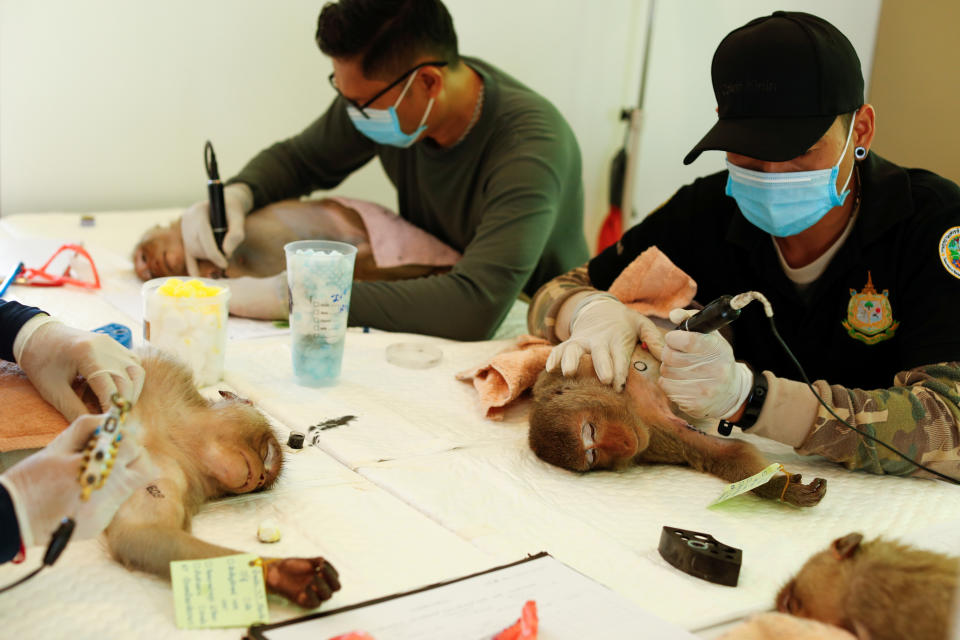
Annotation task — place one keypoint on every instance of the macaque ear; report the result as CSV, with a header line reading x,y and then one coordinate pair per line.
x,y
230,395
846,546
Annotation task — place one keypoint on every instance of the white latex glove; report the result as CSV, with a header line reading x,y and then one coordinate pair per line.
x,y
698,372
608,331
197,234
53,354
261,298
45,487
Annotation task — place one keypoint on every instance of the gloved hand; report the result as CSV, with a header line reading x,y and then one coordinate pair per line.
x,y
608,331
698,372
261,298
197,234
45,487
52,354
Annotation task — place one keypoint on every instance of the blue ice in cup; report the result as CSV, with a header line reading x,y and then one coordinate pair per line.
x,y
319,279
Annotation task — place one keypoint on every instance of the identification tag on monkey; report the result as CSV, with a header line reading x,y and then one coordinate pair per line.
x,y
219,592
748,484
101,450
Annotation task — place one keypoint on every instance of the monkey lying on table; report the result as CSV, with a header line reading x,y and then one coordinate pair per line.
x,y
879,590
581,424
204,450
160,251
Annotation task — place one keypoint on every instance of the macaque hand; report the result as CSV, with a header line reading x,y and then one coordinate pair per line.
x,y
797,493
606,329
303,581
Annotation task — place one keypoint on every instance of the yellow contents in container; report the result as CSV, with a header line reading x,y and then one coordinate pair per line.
x,y
177,288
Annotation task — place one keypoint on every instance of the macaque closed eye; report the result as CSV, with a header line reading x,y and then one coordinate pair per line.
x,y
588,434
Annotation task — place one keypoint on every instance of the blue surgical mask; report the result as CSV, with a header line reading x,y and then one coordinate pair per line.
x,y
784,204
382,125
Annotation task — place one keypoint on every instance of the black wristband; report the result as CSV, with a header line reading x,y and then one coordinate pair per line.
x,y
752,408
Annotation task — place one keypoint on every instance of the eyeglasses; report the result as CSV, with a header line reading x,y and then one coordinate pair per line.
x,y
361,107
43,278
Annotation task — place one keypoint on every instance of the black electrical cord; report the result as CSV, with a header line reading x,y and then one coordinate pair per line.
x,y
773,327
58,543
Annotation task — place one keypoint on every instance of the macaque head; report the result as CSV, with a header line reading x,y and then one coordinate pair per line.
x,y
819,590
160,253
241,453
582,424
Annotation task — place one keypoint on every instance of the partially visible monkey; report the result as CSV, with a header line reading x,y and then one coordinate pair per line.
x,y
879,590
160,251
203,450
581,424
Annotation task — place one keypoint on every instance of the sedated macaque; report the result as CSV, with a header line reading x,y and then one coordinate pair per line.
x,y
204,450
160,251
581,424
880,590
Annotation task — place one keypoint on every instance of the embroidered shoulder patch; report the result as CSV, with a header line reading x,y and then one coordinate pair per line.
x,y
950,251
869,315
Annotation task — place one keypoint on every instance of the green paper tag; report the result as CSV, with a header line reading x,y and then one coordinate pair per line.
x,y
747,484
218,592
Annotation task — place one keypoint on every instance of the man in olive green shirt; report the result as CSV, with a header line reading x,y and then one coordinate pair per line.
x,y
479,161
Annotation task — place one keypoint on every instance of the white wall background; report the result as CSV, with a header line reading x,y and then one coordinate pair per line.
x,y
105,104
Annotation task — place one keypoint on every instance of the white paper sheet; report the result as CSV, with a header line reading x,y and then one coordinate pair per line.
x,y
569,605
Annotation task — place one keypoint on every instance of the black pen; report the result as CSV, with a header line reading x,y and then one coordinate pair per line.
x,y
218,212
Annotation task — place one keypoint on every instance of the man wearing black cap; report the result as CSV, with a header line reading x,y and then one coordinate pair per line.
x,y
858,256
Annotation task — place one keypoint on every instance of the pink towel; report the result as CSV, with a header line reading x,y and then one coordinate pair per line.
x,y
27,421
508,374
780,626
395,242
651,285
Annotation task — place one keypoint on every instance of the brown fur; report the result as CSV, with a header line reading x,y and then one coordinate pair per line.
x,y
880,590
160,251
641,414
203,450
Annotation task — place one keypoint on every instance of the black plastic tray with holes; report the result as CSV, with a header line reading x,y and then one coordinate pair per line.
x,y
701,555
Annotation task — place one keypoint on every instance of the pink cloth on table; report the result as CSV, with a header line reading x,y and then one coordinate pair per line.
x,y
508,374
395,242
651,285
780,626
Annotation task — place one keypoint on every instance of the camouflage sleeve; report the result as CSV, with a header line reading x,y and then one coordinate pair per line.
x,y
546,303
919,416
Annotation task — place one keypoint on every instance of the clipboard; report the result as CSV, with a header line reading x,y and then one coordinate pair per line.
x,y
480,605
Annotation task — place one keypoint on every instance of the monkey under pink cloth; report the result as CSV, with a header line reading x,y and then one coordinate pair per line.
x,y
27,421
395,242
779,626
513,371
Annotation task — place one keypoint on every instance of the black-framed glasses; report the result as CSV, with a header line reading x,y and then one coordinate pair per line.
x,y
403,76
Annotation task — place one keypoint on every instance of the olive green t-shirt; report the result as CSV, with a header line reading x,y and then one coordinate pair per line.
x,y
509,197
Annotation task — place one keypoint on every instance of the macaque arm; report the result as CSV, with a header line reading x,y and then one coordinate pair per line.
x,y
149,531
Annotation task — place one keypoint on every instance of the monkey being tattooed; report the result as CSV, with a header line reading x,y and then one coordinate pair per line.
x,y
879,590
581,424
203,450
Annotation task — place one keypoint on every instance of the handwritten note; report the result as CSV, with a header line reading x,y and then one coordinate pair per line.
x,y
218,592
747,484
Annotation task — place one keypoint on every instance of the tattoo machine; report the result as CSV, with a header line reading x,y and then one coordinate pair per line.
x,y
722,312
98,459
218,210
101,450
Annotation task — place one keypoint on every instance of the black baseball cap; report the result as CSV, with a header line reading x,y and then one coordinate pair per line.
x,y
780,82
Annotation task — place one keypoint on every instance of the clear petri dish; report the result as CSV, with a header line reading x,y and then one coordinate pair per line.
x,y
414,355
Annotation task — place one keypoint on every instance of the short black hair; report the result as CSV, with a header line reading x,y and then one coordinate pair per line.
x,y
389,34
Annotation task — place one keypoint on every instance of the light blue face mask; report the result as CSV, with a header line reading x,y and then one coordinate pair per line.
x,y
382,125
784,204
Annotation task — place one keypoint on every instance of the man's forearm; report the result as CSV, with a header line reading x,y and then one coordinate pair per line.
x,y
919,415
549,314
